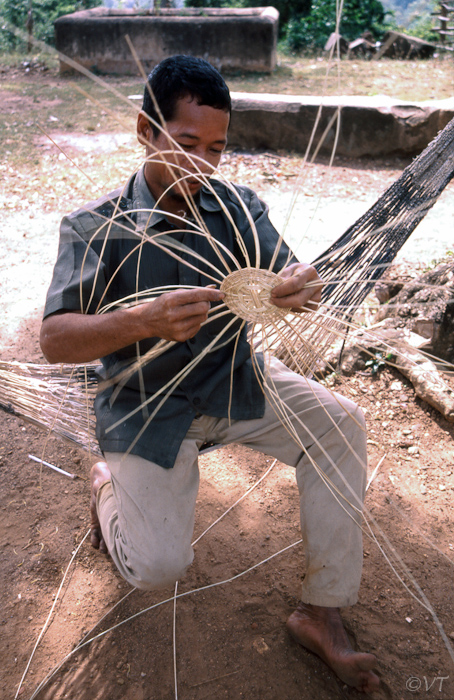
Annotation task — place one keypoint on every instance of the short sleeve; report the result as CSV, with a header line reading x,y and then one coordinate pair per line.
x,y
78,281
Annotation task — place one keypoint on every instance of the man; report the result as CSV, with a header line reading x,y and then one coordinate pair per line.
x,y
148,236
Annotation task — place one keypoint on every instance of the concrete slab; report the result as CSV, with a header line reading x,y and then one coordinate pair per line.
x,y
368,126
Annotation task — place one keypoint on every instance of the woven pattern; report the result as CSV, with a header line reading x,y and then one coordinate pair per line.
x,y
247,294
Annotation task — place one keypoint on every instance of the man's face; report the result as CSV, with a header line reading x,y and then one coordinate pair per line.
x,y
201,132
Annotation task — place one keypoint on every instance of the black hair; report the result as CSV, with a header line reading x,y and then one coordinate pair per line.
x,y
180,76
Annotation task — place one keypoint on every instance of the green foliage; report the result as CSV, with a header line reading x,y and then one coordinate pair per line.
x,y
44,12
312,32
414,17
288,9
378,361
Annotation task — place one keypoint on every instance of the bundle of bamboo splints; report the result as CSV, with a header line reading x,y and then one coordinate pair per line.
x,y
56,398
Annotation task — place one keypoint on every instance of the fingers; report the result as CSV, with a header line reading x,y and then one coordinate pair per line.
x,y
192,296
178,315
301,289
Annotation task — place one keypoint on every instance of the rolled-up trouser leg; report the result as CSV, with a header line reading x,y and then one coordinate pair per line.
x,y
146,515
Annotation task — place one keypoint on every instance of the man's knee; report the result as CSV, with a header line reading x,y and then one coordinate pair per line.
x,y
153,571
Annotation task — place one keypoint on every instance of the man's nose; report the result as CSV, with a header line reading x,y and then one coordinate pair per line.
x,y
197,162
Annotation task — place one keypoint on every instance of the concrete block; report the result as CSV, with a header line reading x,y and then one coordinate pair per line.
x,y
369,126
230,39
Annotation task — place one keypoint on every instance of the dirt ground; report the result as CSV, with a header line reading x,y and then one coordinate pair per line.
x,y
230,639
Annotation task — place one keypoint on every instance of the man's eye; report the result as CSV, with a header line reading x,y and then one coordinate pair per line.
x,y
186,147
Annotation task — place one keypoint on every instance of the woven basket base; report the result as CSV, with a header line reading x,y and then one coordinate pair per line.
x,y
247,293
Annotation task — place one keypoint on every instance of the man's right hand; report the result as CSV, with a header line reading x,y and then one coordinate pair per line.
x,y
177,315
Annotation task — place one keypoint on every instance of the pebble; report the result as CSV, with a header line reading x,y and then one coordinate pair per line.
x,y
260,645
441,487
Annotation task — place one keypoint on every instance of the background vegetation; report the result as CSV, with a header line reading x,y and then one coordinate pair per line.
x,y
305,25
312,31
413,16
44,13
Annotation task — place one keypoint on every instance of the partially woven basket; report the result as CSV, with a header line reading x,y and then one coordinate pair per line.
x,y
247,294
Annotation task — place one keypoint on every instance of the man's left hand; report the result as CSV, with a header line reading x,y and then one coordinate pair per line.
x,y
301,289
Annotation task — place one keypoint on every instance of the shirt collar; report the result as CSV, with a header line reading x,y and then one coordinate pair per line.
x,y
144,202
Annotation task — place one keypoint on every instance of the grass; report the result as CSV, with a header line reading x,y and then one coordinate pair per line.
x,y
35,100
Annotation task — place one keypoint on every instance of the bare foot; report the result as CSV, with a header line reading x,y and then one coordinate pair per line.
x,y
321,631
99,474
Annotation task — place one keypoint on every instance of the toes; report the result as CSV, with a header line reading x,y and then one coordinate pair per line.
x,y
96,537
370,683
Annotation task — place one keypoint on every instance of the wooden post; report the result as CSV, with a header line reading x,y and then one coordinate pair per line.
x,y
29,28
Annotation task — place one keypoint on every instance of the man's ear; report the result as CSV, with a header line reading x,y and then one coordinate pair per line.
x,y
144,130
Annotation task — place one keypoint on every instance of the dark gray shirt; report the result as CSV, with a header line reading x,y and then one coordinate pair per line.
x,y
106,253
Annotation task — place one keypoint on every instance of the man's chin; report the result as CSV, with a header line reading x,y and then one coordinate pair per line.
x,y
185,190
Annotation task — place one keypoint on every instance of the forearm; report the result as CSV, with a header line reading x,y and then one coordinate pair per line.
x,y
177,316
75,338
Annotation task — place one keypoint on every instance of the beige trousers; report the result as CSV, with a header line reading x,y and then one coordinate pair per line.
x,y
147,512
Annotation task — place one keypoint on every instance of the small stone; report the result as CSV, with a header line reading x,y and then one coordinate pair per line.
x,y
408,619
120,681
441,487
413,450
396,386
260,645
423,489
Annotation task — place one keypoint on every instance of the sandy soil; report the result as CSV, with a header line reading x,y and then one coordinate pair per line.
x,y
230,639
